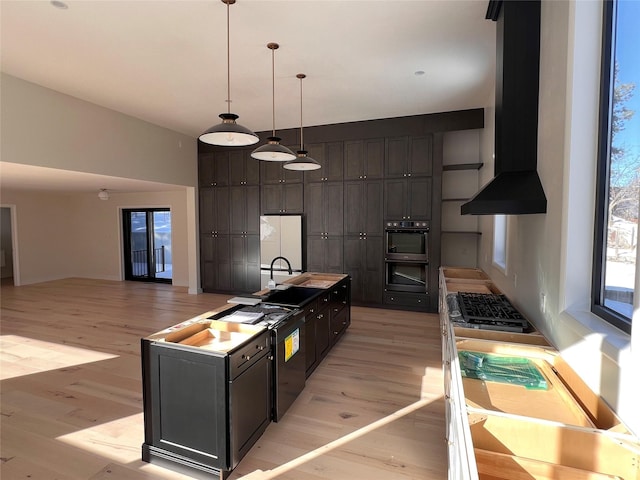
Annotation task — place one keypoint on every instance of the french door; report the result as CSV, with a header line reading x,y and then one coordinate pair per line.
x,y
147,244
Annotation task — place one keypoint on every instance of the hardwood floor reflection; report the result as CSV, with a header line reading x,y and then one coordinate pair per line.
x,y
72,402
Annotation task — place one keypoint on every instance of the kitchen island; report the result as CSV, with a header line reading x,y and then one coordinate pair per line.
x,y
213,383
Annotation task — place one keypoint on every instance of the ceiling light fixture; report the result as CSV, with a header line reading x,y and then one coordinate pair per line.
x,y
229,133
272,151
59,4
103,194
302,162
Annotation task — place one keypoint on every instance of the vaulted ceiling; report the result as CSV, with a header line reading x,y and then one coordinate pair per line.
x,y
165,62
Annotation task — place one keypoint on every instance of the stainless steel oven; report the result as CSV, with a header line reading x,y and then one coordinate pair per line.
x,y
406,276
407,240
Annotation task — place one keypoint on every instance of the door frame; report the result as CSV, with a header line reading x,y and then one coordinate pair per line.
x,y
125,244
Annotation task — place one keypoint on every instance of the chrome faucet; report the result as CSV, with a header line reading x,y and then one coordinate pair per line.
x,y
274,261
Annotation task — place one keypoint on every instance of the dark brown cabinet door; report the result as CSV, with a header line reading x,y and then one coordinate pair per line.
x,y
364,262
408,157
363,208
325,254
396,160
331,157
395,199
407,199
273,173
421,156
419,198
364,159
245,259
179,378
214,210
213,169
282,198
243,169
324,206
245,209
215,262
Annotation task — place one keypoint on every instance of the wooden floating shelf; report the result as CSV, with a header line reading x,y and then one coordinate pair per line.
x,y
462,166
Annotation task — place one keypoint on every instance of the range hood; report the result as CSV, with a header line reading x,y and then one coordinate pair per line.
x,y
516,188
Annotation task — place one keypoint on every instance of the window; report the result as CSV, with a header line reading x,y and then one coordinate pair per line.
x,y
500,241
618,176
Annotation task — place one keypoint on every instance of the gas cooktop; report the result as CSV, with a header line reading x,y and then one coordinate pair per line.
x,y
489,311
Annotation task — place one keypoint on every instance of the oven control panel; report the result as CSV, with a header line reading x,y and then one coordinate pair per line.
x,y
421,224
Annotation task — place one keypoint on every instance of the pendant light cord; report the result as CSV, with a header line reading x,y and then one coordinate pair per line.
x,y
301,76
273,92
228,64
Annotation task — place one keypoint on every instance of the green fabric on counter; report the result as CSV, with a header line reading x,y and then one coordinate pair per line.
x,y
501,368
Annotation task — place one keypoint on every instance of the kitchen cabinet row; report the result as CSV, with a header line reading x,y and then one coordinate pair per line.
x,y
332,208
231,264
516,409
394,157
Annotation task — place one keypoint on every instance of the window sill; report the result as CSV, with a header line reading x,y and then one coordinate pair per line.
x,y
613,342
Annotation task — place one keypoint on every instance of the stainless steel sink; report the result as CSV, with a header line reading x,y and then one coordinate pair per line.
x,y
293,297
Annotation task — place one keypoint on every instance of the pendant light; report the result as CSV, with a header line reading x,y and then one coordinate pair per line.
x,y
229,133
302,162
272,151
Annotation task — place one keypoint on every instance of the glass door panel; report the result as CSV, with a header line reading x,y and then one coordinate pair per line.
x,y
147,242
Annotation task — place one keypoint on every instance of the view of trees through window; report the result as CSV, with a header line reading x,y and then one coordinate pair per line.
x,y
623,199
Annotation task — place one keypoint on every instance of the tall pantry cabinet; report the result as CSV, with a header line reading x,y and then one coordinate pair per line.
x,y
371,172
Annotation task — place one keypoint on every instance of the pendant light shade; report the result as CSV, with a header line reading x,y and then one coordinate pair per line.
x,y
229,133
302,161
272,151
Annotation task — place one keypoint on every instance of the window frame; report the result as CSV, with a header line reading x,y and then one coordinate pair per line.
x,y
607,86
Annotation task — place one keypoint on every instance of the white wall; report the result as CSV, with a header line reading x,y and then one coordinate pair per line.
x,y
549,256
46,128
79,235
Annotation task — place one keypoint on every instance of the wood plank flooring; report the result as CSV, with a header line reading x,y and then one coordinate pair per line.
x,y
71,399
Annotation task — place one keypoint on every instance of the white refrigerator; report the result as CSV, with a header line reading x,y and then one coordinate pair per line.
x,y
280,236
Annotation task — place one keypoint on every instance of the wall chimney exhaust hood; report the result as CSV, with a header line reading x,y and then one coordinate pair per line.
x,y
516,188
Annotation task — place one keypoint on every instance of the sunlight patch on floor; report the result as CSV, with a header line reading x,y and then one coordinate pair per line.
x,y
25,356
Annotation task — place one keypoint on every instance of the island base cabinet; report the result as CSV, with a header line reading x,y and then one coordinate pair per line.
x,y
202,411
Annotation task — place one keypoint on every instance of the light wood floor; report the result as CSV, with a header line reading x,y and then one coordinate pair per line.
x,y
72,402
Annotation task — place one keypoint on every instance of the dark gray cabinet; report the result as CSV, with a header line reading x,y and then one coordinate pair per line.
x,y
245,263
331,157
339,311
244,209
243,169
407,198
203,410
272,173
364,159
326,320
324,205
282,198
214,210
213,169
325,254
408,157
215,262
364,263
363,208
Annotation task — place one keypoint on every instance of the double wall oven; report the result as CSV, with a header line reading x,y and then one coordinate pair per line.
x,y
406,255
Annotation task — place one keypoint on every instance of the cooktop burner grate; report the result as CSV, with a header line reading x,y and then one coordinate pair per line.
x,y
490,311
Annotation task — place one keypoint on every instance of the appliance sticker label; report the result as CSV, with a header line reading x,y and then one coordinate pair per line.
x,y
291,344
